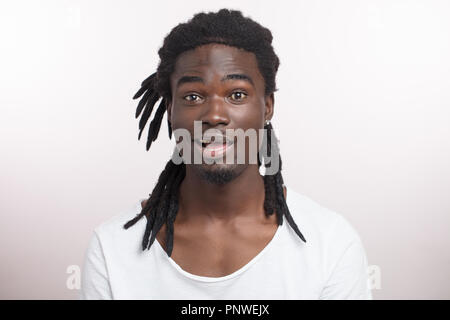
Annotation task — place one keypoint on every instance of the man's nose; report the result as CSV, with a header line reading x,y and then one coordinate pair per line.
x,y
216,112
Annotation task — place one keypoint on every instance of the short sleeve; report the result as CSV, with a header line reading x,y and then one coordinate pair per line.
x,y
349,278
94,276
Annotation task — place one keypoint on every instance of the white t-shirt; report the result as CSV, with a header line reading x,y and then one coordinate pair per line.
x,y
332,264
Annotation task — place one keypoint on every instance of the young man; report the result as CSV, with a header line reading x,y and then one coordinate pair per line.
x,y
215,230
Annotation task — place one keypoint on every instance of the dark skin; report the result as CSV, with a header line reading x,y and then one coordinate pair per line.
x,y
219,227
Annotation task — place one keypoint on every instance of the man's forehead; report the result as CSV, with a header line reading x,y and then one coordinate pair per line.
x,y
215,56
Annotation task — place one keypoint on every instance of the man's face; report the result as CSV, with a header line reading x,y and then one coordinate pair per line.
x,y
222,87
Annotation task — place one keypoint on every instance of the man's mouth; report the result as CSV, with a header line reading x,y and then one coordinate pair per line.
x,y
214,149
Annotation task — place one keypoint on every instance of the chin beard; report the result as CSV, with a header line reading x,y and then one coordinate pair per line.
x,y
216,174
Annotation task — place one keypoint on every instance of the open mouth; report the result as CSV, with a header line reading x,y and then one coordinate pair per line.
x,y
213,149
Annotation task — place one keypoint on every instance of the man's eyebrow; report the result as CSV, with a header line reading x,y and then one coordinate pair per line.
x,y
187,79
234,76
238,76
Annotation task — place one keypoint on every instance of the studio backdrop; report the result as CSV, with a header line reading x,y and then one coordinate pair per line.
x,y
362,114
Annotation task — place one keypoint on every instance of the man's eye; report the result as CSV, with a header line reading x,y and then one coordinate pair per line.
x,y
192,97
238,95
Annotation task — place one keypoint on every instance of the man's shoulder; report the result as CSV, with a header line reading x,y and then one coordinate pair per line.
x,y
318,222
113,227
307,210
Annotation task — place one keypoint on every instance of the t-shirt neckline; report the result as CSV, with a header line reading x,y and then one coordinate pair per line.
x,y
236,273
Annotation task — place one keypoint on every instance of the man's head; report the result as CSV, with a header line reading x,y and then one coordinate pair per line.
x,y
217,68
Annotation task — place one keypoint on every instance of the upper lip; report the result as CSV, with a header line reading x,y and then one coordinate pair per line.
x,y
220,137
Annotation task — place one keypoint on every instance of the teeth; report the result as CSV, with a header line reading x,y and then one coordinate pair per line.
x,y
220,141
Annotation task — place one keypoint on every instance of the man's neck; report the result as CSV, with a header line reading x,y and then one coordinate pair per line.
x,y
242,197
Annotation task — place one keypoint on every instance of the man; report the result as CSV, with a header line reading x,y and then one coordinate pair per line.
x,y
215,230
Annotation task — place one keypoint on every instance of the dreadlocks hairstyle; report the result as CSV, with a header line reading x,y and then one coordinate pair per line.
x,y
228,27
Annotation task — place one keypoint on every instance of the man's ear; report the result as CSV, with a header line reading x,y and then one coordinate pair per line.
x,y
269,105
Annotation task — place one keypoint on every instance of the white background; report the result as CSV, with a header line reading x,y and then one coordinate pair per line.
x,y
362,113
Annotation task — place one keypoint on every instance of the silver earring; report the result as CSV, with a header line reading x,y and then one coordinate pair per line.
x,y
267,122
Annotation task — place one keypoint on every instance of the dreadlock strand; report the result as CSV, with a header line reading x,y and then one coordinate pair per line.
x,y
268,198
294,226
173,208
284,209
154,203
277,191
150,80
169,127
147,112
269,181
163,206
146,85
142,103
155,125
276,186
279,198
148,228
287,213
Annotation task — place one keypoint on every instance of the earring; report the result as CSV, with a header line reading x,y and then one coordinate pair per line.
x,y
267,122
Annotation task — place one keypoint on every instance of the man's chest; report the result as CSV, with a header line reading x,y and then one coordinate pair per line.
x,y
219,253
